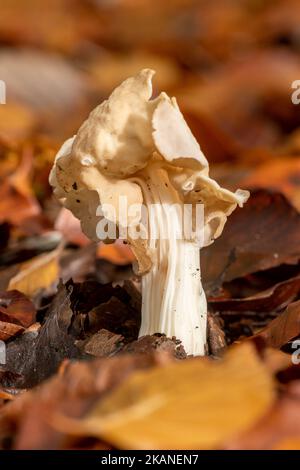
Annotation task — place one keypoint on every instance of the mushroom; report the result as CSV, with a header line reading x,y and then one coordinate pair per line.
x,y
142,149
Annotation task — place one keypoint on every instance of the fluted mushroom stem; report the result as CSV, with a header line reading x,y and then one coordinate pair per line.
x,y
174,301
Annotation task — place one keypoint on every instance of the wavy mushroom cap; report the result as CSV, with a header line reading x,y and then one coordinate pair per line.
x,y
118,140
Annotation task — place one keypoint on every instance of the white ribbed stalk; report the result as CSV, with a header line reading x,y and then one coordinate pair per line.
x,y
174,301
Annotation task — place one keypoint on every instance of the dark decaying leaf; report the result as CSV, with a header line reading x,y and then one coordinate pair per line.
x,y
117,318
71,329
37,355
268,300
272,238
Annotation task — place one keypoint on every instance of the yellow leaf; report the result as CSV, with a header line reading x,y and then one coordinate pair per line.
x,y
291,443
193,404
38,273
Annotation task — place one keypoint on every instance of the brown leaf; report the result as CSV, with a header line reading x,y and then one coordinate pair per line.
x,y
215,335
37,354
272,238
148,344
101,344
192,404
284,328
116,316
248,99
26,248
9,330
17,202
279,174
268,300
17,308
27,420
61,28
76,312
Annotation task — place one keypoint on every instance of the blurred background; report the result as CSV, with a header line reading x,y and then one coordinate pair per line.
x,y
230,63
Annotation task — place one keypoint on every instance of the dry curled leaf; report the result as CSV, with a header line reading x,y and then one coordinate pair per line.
x,y
16,308
284,328
267,300
9,330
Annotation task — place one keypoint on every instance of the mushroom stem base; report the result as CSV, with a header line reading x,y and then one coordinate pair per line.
x,y
174,301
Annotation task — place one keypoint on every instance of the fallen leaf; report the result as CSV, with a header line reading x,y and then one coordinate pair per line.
x,y
101,344
39,273
17,202
283,328
216,339
281,423
36,355
279,174
17,122
9,330
248,98
268,300
157,342
117,253
272,238
26,248
16,308
115,315
289,443
27,420
5,395
76,313
194,404
60,29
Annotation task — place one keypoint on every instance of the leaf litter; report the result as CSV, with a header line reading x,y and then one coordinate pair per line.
x,y
76,374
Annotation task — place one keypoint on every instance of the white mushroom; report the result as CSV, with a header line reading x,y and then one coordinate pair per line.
x,y
143,149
